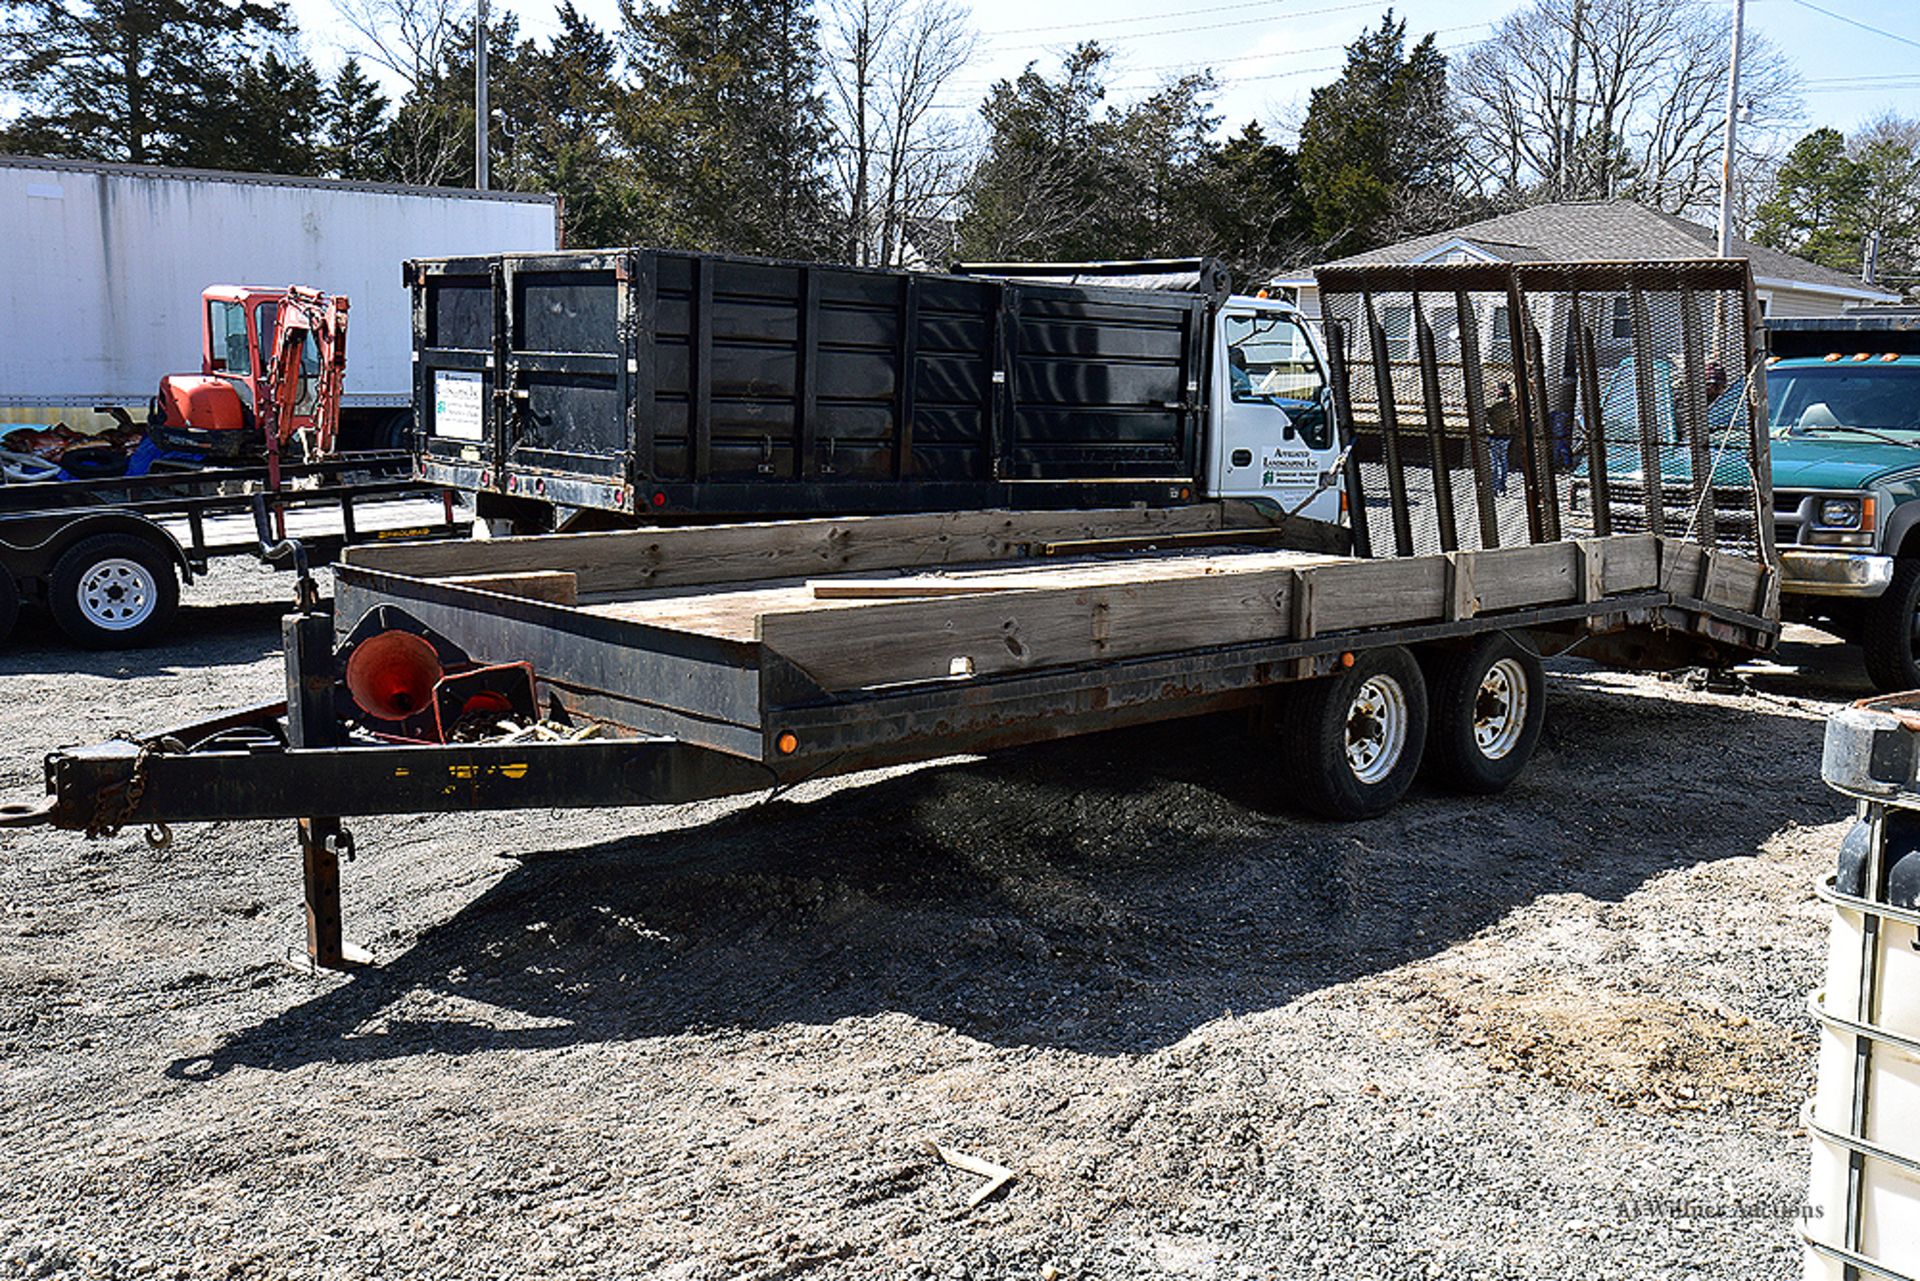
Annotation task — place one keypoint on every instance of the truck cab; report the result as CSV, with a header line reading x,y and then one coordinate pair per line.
x,y
1844,408
1271,434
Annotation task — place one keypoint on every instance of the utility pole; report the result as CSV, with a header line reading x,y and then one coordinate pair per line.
x,y
480,97
1733,117
1573,99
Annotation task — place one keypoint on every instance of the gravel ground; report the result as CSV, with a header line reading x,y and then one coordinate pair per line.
x,y
1560,1033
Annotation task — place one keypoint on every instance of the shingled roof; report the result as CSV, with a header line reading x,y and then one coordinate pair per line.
x,y
1611,230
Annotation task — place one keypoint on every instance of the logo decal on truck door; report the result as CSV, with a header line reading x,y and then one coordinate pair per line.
x,y
1283,466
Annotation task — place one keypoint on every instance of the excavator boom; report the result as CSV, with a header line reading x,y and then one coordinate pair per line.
x,y
297,391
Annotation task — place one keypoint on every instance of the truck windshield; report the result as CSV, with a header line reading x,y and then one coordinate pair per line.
x,y
1268,359
1874,397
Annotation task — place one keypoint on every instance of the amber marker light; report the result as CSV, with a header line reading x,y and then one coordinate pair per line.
x,y
788,743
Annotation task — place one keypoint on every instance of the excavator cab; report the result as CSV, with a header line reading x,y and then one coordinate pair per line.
x,y
272,364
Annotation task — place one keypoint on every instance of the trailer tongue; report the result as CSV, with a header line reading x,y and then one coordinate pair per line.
x,y
672,664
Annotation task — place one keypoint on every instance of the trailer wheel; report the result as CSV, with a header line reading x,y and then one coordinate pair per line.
x,y
1352,741
1488,704
113,591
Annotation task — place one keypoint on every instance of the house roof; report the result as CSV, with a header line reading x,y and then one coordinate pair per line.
x,y
1609,231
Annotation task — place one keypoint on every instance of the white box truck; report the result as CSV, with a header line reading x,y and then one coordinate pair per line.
x,y
102,268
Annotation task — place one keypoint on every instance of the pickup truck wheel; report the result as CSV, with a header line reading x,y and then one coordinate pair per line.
x,y
1488,703
113,591
1352,741
1891,636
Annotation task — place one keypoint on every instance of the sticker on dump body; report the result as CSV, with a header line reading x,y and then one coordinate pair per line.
x,y
458,405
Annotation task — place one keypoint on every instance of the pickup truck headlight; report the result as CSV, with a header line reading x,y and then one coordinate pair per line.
x,y
1840,513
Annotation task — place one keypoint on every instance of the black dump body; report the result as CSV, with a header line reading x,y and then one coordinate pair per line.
x,y
1892,329
669,384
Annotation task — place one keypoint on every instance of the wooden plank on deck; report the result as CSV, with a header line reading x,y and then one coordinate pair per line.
x,y
887,642
638,560
554,586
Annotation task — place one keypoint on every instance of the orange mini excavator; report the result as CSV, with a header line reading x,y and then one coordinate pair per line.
x,y
272,369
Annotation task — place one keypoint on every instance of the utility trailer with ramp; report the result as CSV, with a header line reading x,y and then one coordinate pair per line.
x,y
663,665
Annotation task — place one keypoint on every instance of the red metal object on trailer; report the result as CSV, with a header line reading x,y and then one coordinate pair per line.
x,y
273,366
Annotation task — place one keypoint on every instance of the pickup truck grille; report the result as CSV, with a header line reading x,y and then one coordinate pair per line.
x,y
1792,513
1732,507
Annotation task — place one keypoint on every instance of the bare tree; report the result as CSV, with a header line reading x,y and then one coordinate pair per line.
x,y
1573,99
899,164
1887,151
410,38
413,39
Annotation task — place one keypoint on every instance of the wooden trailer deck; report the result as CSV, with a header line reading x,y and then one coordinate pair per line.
x,y
890,601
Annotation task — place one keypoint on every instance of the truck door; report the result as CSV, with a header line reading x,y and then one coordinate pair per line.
x,y
1273,436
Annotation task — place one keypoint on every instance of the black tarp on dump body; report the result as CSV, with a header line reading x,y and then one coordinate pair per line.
x,y
670,383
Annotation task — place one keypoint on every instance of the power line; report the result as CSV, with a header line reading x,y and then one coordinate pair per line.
x,y
1227,82
1201,64
1854,22
1150,17
1208,26
1834,80
1878,86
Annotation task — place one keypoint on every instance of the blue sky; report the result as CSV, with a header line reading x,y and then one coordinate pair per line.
x,y
1269,53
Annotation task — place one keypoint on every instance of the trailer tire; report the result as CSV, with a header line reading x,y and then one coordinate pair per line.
x,y
1352,741
1890,634
113,591
1487,705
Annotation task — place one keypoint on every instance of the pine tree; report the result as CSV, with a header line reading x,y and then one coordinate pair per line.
x,y
727,125
1043,180
268,121
128,80
354,125
1813,209
1378,147
1159,151
1251,212
560,115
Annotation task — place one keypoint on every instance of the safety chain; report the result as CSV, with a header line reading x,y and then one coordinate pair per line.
x,y
116,804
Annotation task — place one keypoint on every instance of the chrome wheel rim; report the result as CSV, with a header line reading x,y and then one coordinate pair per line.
x,y
1500,709
118,594
1376,728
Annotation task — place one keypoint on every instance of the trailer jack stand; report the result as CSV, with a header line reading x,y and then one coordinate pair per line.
x,y
322,842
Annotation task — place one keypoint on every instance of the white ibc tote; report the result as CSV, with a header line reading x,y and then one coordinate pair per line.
x,y
1864,1119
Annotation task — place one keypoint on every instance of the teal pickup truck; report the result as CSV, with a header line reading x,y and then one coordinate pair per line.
x,y
1844,401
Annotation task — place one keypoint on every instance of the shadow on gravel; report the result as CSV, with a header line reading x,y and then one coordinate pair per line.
x,y
201,636
1812,665
1105,896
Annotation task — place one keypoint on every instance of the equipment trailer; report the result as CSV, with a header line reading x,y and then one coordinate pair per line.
x,y
107,557
659,666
